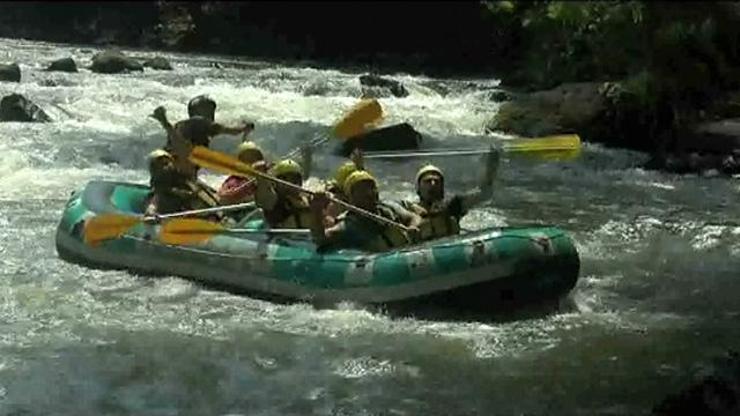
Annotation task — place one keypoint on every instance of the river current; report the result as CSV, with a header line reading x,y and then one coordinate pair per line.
x,y
656,298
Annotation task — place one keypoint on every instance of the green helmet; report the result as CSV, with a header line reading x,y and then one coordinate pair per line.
x,y
285,167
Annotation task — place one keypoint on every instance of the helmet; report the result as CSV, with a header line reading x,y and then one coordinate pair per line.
x,y
355,178
201,102
285,167
428,169
246,147
159,153
343,172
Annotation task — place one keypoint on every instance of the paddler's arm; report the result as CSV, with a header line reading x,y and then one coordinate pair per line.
x,y
160,114
411,220
245,129
485,191
322,235
180,147
358,159
306,160
265,197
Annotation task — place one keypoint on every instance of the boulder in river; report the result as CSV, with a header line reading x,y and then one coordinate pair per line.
x,y
10,72
159,63
708,147
396,137
63,65
371,83
15,107
720,136
114,62
566,108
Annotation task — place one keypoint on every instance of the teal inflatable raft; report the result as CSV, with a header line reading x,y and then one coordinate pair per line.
x,y
486,269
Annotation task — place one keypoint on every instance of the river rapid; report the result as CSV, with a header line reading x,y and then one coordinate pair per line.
x,y
657,295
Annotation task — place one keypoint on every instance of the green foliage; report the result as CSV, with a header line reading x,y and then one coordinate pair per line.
x,y
676,60
575,41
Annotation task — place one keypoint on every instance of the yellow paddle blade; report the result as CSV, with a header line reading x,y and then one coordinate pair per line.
x,y
220,162
364,114
563,142
183,231
552,155
107,226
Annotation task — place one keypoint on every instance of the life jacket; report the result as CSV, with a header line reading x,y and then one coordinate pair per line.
x,y
205,197
438,221
172,192
290,212
384,237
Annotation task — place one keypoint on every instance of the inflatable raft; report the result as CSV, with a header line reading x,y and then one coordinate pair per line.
x,y
486,269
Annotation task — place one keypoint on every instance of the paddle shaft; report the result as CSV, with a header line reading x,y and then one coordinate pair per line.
x,y
224,208
249,231
558,143
339,202
216,158
453,152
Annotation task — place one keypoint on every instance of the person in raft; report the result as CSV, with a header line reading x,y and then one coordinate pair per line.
x,y
442,215
354,230
197,130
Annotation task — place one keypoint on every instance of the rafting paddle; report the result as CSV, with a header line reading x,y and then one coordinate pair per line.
x,y
112,225
362,115
559,147
193,231
224,163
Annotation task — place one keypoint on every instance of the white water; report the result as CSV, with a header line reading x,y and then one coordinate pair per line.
x,y
658,287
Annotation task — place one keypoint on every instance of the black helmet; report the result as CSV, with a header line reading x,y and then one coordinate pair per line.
x,y
202,105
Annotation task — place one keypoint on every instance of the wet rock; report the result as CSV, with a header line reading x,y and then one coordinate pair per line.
x,y
396,137
437,86
10,72
721,136
374,84
159,63
63,65
114,62
706,164
499,96
15,107
715,391
564,109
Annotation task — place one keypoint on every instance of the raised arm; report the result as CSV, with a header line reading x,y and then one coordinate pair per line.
x,y
180,147
245,129
306,160
485,190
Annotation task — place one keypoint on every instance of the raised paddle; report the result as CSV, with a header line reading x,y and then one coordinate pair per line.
x,y
560,147
364,114
361,115
224,163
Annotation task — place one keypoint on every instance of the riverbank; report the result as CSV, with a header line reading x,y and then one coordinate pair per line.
x,y
657,77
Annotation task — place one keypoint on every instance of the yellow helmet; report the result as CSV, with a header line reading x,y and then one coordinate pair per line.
x,y
356,177
343,173
285,167
246,147
429,168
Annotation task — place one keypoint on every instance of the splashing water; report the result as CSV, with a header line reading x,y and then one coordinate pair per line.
x,y
658,287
